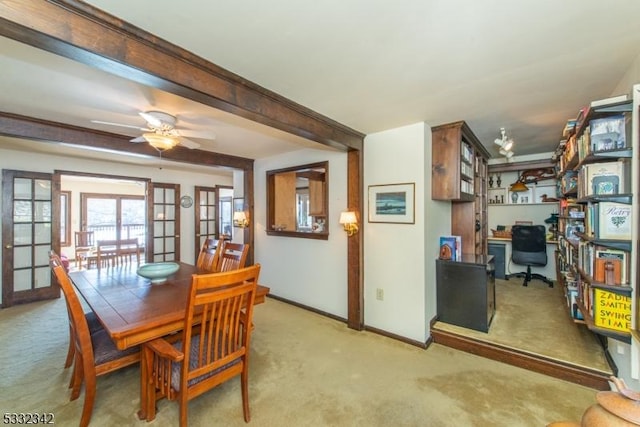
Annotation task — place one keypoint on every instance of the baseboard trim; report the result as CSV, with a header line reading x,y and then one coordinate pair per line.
x,y
397,337
366,328
306,307
536,363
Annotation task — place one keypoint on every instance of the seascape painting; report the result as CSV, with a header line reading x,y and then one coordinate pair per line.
x,y
392,203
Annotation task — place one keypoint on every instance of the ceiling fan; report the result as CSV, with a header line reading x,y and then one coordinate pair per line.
x,y
160,132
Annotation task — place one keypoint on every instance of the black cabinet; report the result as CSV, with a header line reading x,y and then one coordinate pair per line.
x,y
466,291
498,251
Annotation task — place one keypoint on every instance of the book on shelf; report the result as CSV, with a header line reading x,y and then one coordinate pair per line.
x,y
608,271
611,310
572,302
609,133
612,220
604,178
450,248
573,227
602,253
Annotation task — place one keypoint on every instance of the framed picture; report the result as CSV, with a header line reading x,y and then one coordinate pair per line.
x,y
238,204
392,203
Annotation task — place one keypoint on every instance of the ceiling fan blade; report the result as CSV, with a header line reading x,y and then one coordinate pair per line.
x,y
188,143
149,118
119,124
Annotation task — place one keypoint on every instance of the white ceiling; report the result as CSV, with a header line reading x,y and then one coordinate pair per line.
x,y
372,65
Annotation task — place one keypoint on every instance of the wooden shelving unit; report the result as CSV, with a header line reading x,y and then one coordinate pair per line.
x,y
459,174
606,308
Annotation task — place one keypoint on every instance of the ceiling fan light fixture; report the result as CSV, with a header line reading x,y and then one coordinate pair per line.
x,y
160,142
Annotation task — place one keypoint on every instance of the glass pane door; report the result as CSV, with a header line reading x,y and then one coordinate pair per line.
x,y
166,222
27,236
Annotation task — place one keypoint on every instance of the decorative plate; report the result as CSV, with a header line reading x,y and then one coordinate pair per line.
x,y
186,201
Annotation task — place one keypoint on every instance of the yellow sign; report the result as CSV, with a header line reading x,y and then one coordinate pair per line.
x,y
611,310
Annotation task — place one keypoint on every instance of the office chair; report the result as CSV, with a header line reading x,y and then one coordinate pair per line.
x,y
529,247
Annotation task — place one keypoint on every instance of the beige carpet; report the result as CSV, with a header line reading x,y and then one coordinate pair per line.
x,y
535,319
306,370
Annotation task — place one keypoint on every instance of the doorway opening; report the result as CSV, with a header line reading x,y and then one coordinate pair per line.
x,y
108,208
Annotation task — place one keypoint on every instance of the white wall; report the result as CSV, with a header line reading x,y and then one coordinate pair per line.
x,y
308,271
400,258
631,77
38,162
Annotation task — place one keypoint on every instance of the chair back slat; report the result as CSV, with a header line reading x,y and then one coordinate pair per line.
x,y
233,256
116,252
209,254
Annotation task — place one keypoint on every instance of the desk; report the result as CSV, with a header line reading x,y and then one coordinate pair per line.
x,y
549,270
134,311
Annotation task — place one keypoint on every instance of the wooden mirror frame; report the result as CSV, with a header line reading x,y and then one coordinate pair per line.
x,y
302,171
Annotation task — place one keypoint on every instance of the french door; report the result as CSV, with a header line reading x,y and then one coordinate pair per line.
x,y
164,215
206,218
114,216
27,237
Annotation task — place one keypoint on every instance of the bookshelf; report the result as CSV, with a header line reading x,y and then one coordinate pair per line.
x,y
459,174
598,216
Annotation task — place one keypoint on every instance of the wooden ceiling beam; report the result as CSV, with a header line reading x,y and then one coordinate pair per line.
x,y
42,130
78,31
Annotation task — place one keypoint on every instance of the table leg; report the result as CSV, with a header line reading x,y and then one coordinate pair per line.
x,y
144,391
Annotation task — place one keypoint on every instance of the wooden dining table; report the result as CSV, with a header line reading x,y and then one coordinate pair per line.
x,y
131,308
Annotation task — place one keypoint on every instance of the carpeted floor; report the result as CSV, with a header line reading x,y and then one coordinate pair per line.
x,y
306,370
535,319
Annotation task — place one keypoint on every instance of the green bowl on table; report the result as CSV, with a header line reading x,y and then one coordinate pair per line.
x,y
158,272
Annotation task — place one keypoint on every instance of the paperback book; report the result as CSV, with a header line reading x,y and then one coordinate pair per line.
x,y
451,248
613,221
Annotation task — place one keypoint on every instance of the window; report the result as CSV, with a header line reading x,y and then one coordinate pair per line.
x,y
114,216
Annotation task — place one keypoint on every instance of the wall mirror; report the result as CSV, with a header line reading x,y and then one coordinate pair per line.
x,y
297,201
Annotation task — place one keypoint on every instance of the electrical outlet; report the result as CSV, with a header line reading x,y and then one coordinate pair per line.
x,y
379,294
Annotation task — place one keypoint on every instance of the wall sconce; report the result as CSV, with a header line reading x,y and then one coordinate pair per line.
x,y
350,222
240,219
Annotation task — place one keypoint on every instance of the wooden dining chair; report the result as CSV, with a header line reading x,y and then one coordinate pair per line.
x,y
127,250
84,245
92,320
209,254
106,253
214,352
232,256
95,354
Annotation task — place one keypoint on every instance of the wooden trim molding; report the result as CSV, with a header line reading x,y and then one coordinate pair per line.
x,y
543,365
519,166
355,243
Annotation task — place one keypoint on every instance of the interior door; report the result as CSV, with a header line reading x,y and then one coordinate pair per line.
x,y
164,215
27,237
206,201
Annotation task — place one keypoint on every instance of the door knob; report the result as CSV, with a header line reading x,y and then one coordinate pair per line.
x,y
8,246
